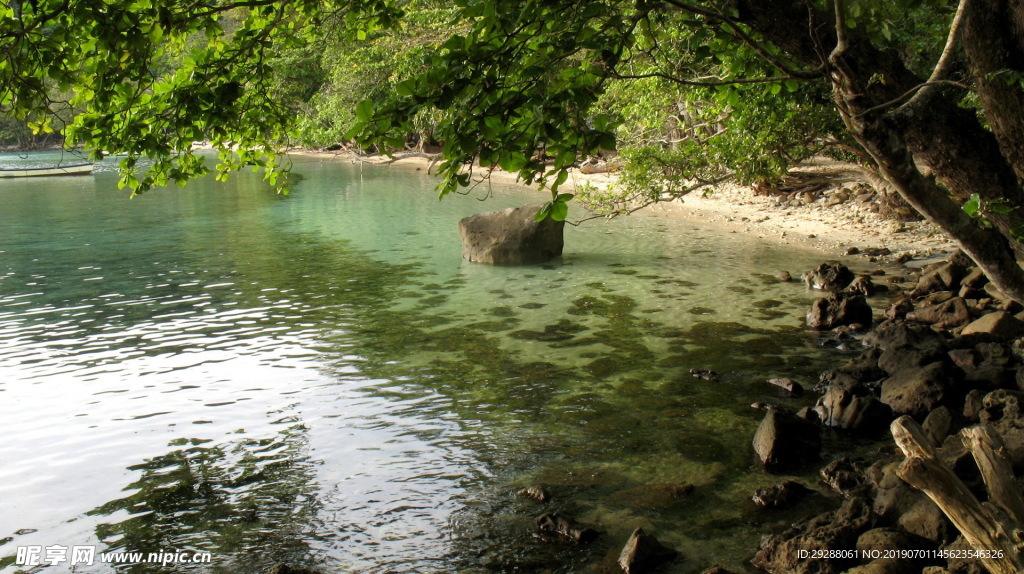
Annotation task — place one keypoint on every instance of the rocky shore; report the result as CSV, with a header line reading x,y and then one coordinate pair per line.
x,y
948,352
939,344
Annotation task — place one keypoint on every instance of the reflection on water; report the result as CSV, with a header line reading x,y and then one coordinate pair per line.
x,y
320,379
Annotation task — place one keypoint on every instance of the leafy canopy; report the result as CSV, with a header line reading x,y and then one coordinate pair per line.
x,y
150,77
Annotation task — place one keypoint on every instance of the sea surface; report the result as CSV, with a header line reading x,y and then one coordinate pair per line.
x,y
320,379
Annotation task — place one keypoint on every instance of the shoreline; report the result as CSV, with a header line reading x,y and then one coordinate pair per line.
x,y
843,229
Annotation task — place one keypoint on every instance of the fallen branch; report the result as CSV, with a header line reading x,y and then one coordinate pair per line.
x,y
994,529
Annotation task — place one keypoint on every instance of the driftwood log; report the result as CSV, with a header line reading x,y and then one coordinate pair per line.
x,y
994,529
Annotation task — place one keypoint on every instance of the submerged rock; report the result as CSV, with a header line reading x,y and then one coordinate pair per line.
x,y
286,569
566,527
534,493
782,495
643,554
511,237
788,386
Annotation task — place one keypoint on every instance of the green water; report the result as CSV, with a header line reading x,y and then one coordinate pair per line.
x,y
320,379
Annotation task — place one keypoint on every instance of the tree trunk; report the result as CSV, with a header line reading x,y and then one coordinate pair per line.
x,y
964,158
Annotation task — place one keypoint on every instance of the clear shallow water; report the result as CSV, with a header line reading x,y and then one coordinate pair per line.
x,y
320,379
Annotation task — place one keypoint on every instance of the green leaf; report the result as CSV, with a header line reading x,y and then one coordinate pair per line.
x,y
559,210
972,206
512,162
544,211
560,179
563,197
364,110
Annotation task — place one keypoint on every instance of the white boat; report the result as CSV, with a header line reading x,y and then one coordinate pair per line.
x,y
76,169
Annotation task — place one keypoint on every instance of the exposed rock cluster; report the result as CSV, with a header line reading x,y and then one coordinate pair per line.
x,y
949,353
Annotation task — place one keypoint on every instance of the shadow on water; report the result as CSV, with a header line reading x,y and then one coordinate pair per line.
x,y
251,501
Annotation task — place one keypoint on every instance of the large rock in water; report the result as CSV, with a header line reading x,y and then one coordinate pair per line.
x,y
510,237
839,309
784,441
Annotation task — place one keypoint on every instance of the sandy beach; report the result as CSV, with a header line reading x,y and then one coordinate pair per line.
x,y
836,230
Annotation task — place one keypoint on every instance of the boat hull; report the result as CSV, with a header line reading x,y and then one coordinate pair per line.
x,y
81,169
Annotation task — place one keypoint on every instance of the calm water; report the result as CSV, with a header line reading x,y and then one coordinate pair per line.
x,y
320,379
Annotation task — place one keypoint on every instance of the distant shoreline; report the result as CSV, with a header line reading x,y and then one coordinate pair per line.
x,y
835,230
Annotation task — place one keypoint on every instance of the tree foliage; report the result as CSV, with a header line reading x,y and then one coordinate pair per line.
x,y
690,91
150,77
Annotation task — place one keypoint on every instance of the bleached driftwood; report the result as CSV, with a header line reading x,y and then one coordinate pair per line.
x,y
994,529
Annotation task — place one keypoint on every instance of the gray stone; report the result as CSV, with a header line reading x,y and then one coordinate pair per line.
x,y
511,237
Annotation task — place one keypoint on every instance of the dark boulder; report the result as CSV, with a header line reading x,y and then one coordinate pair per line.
x,y
784,441
988,365
860,371
951,313
839,309
905,345
899,308
511,237
1003,410
879,541
941,277
830,276
844,475
863,285
832,531
938,424
896,502
915,391
644,554
854,410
